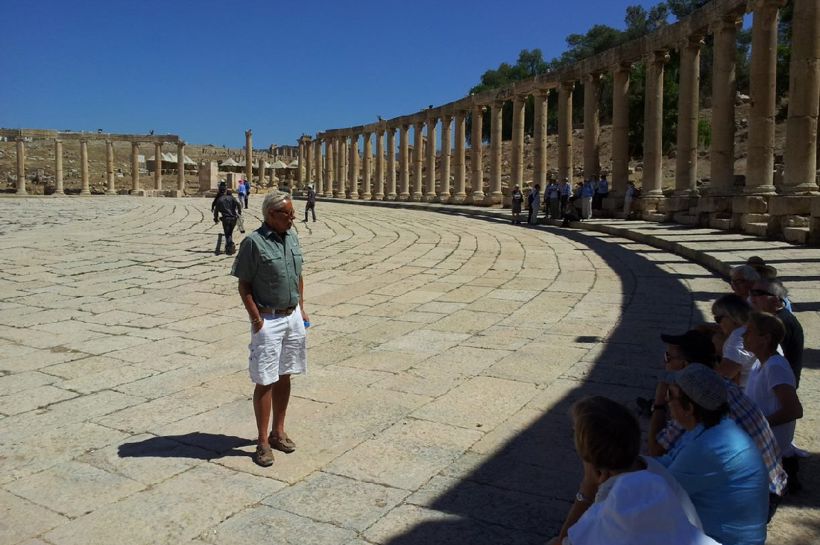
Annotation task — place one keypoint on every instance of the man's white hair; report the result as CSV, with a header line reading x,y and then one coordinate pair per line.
x,y
747,272
274,200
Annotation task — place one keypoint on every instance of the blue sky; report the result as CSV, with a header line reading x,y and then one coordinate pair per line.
x,y
208,70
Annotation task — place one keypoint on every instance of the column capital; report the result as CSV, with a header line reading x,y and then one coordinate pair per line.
x,y
432,117
498,103
624,66
593,76
693,41
19,138
727,21
446,118
567,85
660,56
755,5
248,132
542,92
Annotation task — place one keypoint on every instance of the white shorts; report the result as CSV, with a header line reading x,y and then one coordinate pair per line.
x,y
278,348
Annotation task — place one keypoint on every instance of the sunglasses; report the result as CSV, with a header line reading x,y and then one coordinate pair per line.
x,y
762,293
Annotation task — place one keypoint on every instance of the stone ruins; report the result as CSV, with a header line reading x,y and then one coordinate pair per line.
x,y
333,161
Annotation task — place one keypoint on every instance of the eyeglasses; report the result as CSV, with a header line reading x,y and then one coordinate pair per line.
x,y
291,214
762,293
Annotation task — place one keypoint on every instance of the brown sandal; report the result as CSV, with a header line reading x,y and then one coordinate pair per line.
x,y
284,444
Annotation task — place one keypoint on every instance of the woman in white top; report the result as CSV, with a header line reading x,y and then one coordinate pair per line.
x,y
771,386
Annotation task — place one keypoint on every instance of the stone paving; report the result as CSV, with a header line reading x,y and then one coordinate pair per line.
x,y
443,358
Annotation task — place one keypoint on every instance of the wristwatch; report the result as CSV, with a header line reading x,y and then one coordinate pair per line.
x,y
579,496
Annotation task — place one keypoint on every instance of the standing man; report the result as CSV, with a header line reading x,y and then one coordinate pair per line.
x,y
269,269
311,203
566,192
587,193
247,192
517,198
241,191
231,210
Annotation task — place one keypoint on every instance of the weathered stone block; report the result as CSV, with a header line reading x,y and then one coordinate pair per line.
x,y
815,207
796,235
714,204
745,205
784,206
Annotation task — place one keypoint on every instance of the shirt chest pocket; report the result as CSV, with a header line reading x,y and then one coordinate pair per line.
x,y
273,268
297,260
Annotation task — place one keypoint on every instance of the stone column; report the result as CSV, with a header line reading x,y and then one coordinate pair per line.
x,y
477,173
317,167
620,128
430,177
21,165
418,158
86,187
804,97
343,167
540,136
444,162
496,128
330,166
353,167
565,169
58,167
459,162
592,129
686,160
260,167
722,149
158,165
763,68
379,195
391,163
181,168
109,168
367,159
519,104
653,125
248,154
300,165
404,164
135,166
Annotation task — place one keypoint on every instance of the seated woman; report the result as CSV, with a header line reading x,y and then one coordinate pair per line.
x,y
636,501
731,313
715,461
772,386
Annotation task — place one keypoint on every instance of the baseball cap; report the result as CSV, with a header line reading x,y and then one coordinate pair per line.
x,y
701,384
696,346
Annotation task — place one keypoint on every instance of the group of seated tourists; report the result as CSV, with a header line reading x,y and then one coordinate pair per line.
x,y
719,453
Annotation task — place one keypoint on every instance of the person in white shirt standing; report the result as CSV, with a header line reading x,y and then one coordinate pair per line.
x,y
771,385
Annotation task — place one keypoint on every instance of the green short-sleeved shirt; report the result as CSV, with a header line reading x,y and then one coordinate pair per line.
x,y
272,264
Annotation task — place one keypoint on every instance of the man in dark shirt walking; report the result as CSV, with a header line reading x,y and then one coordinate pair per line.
x,y
230,209
311,203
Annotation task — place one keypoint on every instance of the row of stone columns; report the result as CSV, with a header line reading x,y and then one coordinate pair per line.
x,y
801,127
85,182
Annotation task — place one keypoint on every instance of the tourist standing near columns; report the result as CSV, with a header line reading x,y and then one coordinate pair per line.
x,y
247,192
269,269
566,192
517,200
242,192
311,203
534,200
629,196
587,193
230,210
553,200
